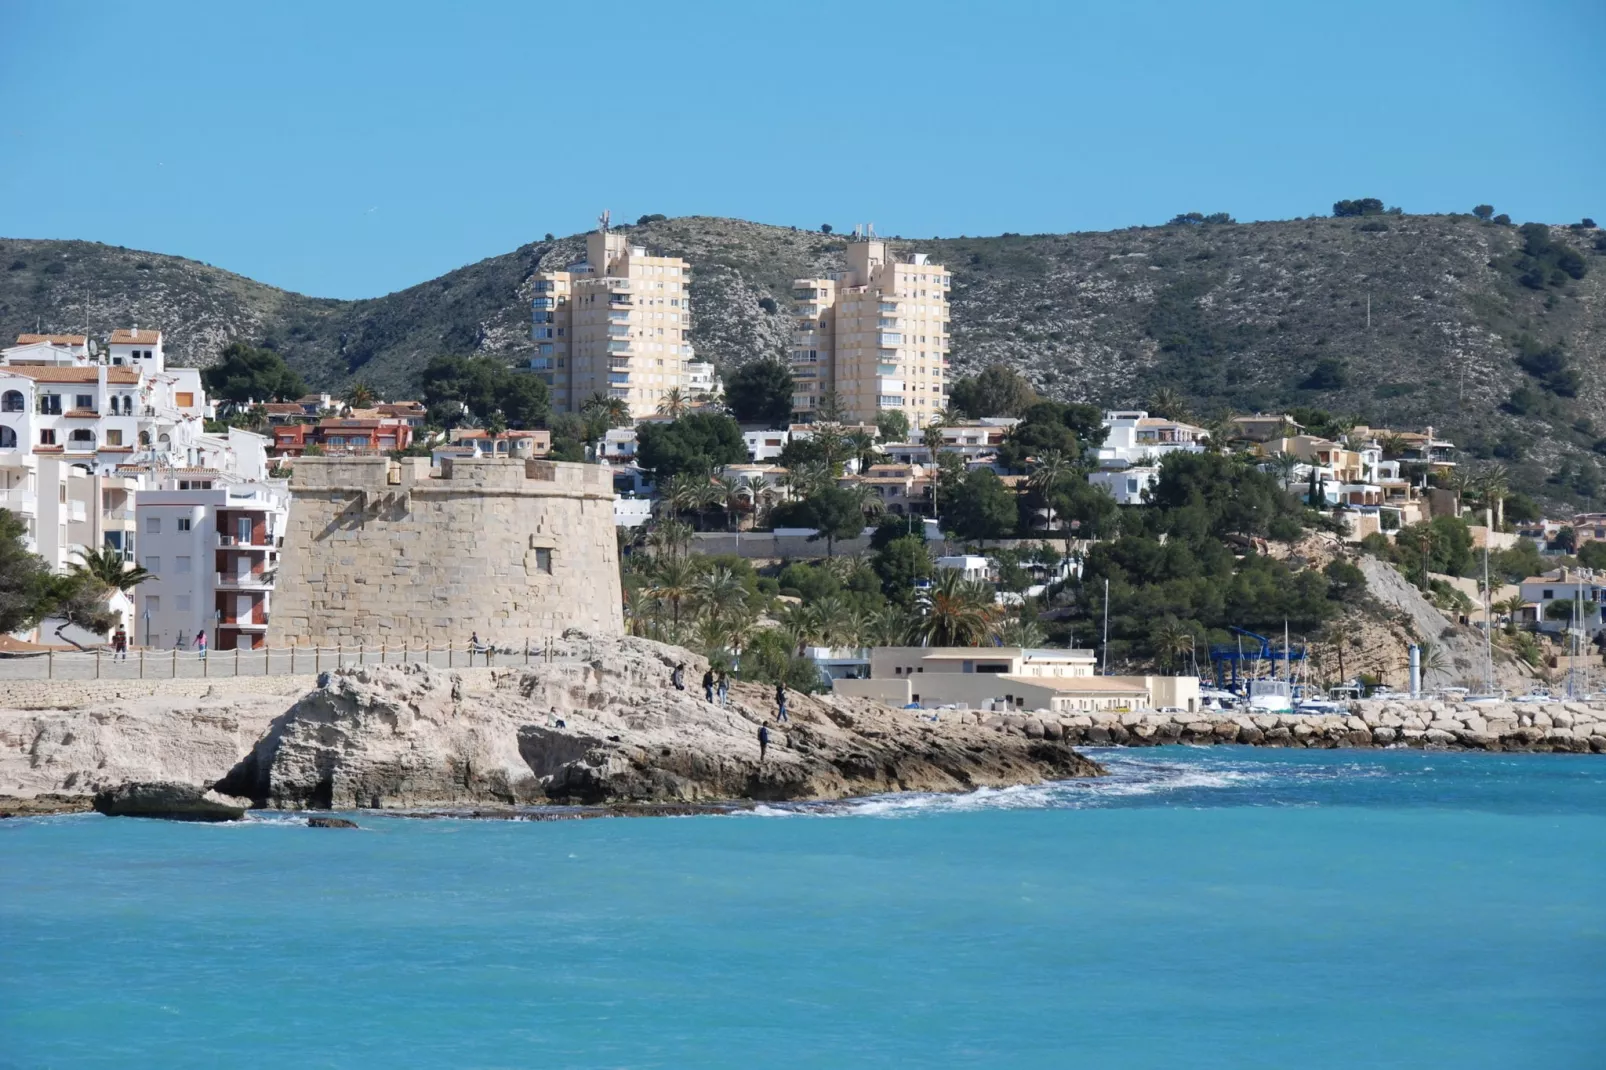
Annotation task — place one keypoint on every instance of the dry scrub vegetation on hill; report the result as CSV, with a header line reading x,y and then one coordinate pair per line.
x,y
1478,328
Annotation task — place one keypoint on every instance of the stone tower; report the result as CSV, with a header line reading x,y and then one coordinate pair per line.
x,y
380,552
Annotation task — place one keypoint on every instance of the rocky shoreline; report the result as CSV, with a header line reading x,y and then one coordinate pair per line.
x,y
1561,726
599,726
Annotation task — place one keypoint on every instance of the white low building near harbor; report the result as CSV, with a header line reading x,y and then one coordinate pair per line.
x,y
1014,678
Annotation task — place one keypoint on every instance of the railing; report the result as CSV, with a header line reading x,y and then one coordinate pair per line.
x,y
255,580
149,664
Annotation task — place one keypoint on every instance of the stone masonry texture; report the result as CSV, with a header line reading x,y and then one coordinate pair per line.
x,y
379,552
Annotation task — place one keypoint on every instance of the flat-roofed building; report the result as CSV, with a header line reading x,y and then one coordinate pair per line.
x,y
875,336
617,324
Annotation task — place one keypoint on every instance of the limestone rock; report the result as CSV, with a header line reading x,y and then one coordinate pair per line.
x,y
170,800
331,823
385,737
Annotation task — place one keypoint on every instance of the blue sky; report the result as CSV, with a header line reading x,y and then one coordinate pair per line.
x,y
347,150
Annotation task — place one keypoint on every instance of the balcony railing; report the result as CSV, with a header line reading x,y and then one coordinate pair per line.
x,y
250,542
244,580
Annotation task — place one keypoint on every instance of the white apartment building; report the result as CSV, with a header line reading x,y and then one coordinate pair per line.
x,y
701,380
876,335
211,541
617,324
88,436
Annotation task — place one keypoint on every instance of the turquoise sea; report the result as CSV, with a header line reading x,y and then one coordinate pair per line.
x,y
1201,908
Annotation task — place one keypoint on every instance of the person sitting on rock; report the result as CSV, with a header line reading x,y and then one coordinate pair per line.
x,y
708,685
678,677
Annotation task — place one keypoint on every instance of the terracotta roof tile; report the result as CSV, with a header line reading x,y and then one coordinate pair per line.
x,y
45,373
53,339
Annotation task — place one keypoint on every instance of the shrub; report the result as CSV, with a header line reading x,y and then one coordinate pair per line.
x,y
654,218
1363,206
1484,212
17,265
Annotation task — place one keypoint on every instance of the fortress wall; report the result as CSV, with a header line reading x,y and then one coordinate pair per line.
x,y
384,552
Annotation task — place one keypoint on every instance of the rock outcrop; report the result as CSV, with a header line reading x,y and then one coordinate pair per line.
x,y
606,729
171,801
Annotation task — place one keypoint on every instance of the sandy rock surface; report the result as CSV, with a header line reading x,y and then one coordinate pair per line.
x,y
416,737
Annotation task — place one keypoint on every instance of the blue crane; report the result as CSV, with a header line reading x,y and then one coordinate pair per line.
x,y
1224,657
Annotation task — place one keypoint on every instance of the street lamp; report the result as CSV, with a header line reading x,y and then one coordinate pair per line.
x,y
147,628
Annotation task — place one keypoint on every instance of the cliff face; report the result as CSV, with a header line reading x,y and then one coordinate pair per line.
x,y
415,737
1406,320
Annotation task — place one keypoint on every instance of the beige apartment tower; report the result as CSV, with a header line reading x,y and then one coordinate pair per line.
x,y
876,334
616,324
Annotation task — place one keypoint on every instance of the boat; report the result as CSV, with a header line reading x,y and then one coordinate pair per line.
x,y
1538,694
1271,696
1214,699
1320,706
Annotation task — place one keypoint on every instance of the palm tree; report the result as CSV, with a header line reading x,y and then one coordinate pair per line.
x,y
1493,485
719,593
669,538
1050,469
1284,465
867,498
809,478
887,627
932,439
673,582
730,491
1171,640
673,404
1219,431
957,611
615,410
107,569
682,493
801,626
1021,631
1168,405
834,447
1432,658
360,395
863,446
1393,446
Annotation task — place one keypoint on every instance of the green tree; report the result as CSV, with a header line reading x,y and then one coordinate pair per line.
x,y
838,514
696,443
23,576
1484,212
760,391
1049,425
1363,206
892,425
955,611
998,391
673,404
485,387
360,395
899,565
983,509
245,373
107,569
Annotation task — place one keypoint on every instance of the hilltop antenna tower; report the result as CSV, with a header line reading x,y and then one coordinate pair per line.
x,y
602,222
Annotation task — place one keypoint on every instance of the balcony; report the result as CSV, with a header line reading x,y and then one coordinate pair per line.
x,y
76,512
81,414
254,623
17,500
619,378
619,347
890,339
618,332
619,363
622,393
619,300
243,581
250,542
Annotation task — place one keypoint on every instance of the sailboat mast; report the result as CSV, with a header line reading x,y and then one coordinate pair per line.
x,y
1488,621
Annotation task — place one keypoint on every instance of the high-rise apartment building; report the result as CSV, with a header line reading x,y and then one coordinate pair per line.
x,y
617,324
876,335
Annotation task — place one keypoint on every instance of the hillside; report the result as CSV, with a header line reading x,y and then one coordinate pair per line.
x,y
1244,316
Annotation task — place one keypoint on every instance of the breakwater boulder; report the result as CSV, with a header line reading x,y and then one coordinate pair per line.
x,y
171,801
1564,726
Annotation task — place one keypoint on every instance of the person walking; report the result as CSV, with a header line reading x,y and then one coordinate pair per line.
x,y
763,741
724,689
119,644
708,685
780,703
474,646
678,677
200,643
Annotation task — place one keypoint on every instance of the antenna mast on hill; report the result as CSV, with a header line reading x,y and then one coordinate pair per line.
x,y
602,222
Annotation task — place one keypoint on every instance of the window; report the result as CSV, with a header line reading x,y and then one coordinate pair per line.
x,y
114,437
184,399
12,401
181,565
47,437
84,401
153,604
543,560
153,525
50,404
153,564
183,603
8,439
184,523
1549,593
